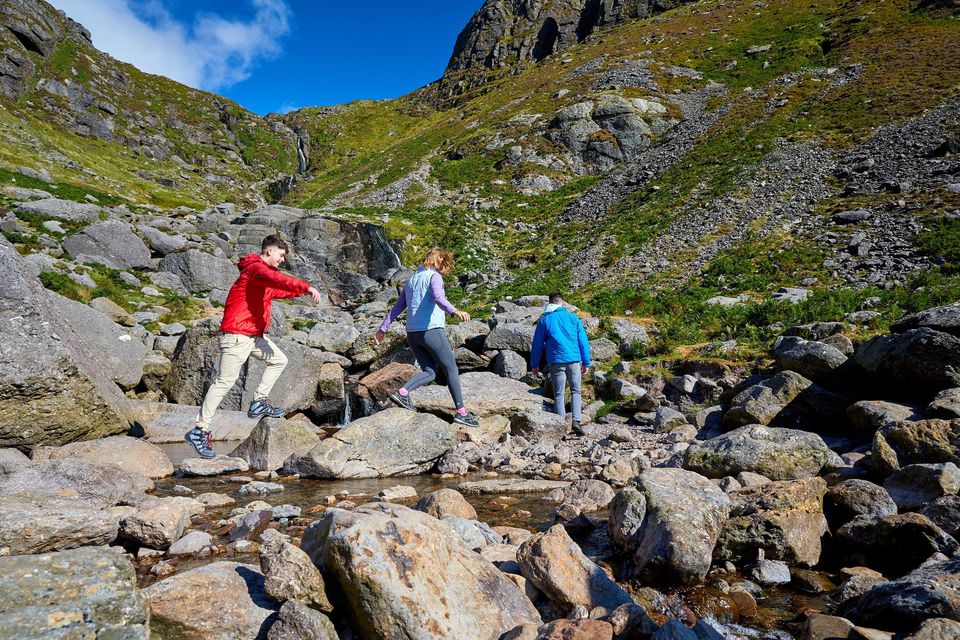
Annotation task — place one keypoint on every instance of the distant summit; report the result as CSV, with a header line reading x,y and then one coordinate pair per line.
x,y
503,32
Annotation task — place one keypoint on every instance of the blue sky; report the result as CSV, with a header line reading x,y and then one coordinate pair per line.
x,y
278,55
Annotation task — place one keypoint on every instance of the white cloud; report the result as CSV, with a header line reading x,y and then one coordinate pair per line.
x,y
287,107
211,53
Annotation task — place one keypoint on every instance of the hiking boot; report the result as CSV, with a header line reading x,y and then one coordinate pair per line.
x,y
200,439
469,419
576,428
261,407
403,401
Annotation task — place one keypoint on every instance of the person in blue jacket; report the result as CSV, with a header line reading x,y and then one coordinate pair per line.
x,y
561,337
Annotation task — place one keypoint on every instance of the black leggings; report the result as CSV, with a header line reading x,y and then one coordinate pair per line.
x,y
432,350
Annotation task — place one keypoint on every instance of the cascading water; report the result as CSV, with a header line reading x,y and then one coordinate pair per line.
x,y
301,156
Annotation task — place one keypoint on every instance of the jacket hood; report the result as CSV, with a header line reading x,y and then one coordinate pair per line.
x,y
550,308
247,260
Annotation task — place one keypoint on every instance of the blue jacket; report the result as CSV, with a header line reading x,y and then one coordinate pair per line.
x,y
561,334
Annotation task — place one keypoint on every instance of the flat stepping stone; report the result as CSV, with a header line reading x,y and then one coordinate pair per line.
x,y
511,485
213,466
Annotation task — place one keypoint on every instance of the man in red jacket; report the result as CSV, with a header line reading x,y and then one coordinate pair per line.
x,y
246,316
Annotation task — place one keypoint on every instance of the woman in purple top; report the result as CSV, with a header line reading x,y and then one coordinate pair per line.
x,y
426,305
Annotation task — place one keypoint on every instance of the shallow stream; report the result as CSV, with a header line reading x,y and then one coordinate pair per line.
x,y
531,511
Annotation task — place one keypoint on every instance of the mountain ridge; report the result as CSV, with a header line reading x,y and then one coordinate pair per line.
x,y
656,154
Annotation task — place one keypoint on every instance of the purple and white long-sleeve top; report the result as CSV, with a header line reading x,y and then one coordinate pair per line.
x,y
436,293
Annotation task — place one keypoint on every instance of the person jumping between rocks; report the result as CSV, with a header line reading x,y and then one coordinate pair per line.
x,y
423,298
246,317
561,334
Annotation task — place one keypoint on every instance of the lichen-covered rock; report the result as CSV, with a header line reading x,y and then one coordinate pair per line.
x,y
182,606
446,503
289,574
784,519
385,561
130,454
53,389
932,591
851,498
682,517
389,443
893,545
274,440
81,593
554,564
786,400
40,523
779,454
917,484
917,361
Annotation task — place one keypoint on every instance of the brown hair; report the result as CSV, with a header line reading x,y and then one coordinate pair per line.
x,y
438,260
556,298
274,241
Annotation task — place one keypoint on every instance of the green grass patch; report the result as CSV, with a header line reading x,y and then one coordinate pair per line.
x,y
941,239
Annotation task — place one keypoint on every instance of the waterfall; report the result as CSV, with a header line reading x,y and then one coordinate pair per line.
x,y
301,156
345,416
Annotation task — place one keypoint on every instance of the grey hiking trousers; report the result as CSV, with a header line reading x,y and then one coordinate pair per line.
x,y
560,374
433,351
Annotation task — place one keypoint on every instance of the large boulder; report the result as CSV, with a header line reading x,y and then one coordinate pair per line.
x,y
916,362
390,443
296,621
583,495
385,561
778,454
158,523
869,415
484,394
289,574
537,425
917,484
555,565
162,422
184,606
53,390
337,337
786,400
62,209
374,389
632,336
673,529
932,591
783,518
81,593
813,360
121,353
945,319
37,523
945,513
446,503
923,441
512,336
96,484
130,454
893,545
200,272
274,440
112,243
846,500
945,404
196,363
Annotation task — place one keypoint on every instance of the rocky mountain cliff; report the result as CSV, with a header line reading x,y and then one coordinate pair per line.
x,y
504,32
683,161
103,124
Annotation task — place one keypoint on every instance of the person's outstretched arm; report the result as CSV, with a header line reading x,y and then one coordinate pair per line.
x,y
284,285
398,308
438,295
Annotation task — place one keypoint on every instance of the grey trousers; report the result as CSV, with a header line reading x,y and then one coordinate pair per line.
x,y
433,350
560,374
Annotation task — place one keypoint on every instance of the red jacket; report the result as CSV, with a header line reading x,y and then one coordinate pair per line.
x,y
247,310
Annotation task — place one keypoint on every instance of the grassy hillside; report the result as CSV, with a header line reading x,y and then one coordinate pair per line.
x,y
895,60
104,126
